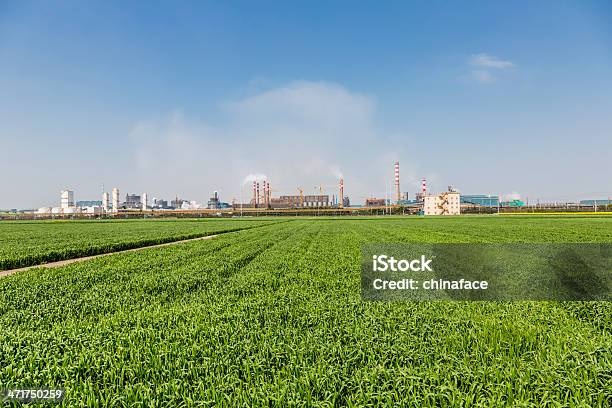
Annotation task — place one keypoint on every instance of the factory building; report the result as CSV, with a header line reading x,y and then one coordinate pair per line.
x,y
89,203
596,202
512,203
375,202
262,198
159,203
316,201
214,203
300,201
447,203
480,200
132,202
90,206
94,209
177,203
291,201
66,199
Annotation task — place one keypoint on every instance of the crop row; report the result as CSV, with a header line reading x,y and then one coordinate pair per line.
x,y
273,316
25,244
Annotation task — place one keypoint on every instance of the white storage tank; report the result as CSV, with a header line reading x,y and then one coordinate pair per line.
x,y
115,199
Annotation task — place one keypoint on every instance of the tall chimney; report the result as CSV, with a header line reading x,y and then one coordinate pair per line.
x,y
341,197
424,187
255,194
398,195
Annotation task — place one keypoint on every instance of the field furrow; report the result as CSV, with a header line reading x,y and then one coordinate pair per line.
x,y
31,243
272,316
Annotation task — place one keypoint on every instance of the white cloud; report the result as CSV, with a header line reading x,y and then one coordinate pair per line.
x,y
484,77
299,134
484,65
489,61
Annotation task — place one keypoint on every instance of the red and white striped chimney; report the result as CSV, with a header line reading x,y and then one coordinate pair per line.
x,y
398,194
341,201
257,196
424,187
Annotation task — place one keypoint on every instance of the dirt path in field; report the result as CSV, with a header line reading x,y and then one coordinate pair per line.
x,y
86,258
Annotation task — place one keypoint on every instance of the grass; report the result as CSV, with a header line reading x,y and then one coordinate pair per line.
x,y
273,316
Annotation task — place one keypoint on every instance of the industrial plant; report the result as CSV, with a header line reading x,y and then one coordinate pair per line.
x,y
263,202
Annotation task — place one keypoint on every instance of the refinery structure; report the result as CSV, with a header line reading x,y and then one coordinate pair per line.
x,y
263,202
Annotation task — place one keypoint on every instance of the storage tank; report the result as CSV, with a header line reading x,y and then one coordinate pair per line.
x,y
115,199
105,201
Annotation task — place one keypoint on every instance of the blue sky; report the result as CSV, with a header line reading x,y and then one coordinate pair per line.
x,y
491,97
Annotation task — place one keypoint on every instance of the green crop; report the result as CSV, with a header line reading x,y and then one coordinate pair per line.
x,y
32,243
272,316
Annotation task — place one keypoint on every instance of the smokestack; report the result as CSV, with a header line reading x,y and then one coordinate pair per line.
x,y
341,196
424,187
144,201
398,194
255,194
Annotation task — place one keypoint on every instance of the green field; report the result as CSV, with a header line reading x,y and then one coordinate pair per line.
x,y
272,316
31,243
